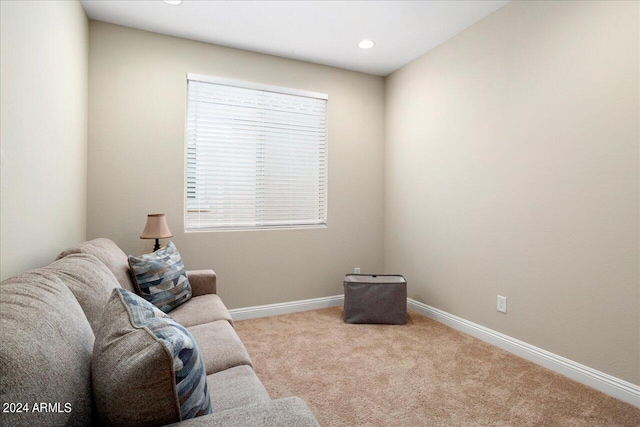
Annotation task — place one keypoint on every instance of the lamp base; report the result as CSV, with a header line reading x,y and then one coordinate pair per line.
x,y
157,245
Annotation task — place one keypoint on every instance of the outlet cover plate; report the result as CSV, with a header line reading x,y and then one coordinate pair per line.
x,y
502,304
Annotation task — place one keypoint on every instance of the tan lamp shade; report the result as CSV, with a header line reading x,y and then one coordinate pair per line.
x,y
156,227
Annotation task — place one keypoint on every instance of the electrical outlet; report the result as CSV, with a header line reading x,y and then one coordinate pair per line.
x,y
502,304
356,270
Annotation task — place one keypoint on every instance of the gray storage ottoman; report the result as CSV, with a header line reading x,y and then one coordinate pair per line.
x,y
375,299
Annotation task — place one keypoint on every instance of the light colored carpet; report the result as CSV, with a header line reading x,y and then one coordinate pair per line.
x,y
419,374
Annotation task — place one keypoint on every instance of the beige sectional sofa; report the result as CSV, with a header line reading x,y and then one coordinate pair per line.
x,y
48,317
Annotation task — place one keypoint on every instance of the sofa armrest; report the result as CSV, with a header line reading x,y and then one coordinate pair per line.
x,y
202,282
286,412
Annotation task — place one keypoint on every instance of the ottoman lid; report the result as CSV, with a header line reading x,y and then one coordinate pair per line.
x,y
374,278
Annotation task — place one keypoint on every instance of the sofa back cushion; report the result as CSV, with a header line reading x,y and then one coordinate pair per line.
x,y
147,369
110,254
45,352
90,281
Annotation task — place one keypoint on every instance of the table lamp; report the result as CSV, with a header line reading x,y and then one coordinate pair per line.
x,y
156,228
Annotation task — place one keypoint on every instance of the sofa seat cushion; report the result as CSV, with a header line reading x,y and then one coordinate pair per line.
x,y
201,309
236,387
45,351
110,255
160,278
220,346
90,281
146,369
285,412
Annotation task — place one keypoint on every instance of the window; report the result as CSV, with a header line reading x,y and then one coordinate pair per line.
x,y
256,156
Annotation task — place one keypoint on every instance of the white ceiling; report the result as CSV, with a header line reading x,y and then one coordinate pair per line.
x,y
324,32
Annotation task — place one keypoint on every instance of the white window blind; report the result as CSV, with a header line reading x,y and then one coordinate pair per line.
x,y
256,156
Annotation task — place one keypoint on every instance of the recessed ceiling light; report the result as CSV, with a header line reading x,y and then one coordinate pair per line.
x,y
366,44
172,2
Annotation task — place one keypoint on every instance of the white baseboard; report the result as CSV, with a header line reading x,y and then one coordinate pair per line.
x,y
285,307
605,383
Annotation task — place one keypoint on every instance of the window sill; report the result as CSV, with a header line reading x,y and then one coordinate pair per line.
x,y
271,228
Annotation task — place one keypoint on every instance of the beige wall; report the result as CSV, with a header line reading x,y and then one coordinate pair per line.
x,y
136,164
512,168
44,68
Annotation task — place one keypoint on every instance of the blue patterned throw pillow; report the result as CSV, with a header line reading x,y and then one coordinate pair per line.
x,y
136,347
161,278
190,374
